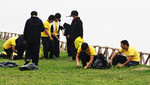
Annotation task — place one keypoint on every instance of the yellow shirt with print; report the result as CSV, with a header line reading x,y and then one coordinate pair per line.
x,y
56,28
131,52
90,52
10,42
48,26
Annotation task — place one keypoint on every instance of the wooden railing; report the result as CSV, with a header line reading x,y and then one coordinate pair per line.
x,y
106,51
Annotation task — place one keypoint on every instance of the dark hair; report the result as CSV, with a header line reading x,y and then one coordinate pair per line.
x,y
84,46
51,17
74,12
58,15
125,42
34,13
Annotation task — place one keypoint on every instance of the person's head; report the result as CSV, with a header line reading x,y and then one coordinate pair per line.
x,y
51,18
124,44
34,14
84,47
74,14
57,17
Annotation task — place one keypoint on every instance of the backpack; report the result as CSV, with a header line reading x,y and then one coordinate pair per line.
x,y
100,62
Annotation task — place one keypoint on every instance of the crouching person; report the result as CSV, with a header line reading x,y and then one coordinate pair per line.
x,y
86,53
131,58
9,47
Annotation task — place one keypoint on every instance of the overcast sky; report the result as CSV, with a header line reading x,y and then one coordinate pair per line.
x,y
105,22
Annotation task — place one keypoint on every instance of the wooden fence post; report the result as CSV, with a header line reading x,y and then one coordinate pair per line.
x,y
141,58
106,52
147,59
1,36
99,50
112,53
4,36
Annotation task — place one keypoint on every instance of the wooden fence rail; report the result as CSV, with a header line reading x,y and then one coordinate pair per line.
x,y
106,51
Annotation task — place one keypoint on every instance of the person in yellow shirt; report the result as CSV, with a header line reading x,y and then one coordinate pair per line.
x,y
9,47
47,40
55,30
132,57
87,54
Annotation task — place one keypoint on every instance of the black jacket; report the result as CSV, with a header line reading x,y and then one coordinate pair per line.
x,y
76,28
20,45
32,31
67,29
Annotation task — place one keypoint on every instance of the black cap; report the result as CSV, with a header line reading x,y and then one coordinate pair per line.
x,y
74,12
34,13
58,15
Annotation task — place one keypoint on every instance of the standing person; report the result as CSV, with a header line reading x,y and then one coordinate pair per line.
x,y
55,29
67,27
131,59
47,40
76,31
9,47
32,34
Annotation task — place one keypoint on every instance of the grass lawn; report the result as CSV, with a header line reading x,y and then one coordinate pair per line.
x,y
63,71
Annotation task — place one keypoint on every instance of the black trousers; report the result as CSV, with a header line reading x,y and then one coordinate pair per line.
x,y
122,59
69,46
20,54
56,45
85,58
9,52
32,52
20,50
73,49
48,46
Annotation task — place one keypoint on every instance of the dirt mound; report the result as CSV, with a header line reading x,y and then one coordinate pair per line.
x,y
142,68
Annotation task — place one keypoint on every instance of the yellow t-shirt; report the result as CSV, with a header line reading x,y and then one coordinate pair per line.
x,y
56,28
90,52
47,25
131,52
10,42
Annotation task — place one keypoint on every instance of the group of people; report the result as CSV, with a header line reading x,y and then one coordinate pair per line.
x,y
49,32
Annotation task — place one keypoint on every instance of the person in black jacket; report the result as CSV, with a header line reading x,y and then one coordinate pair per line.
x,y
32,33
76,31
67,27
20,47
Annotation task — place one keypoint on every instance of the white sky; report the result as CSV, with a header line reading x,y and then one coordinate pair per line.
x,y
105,22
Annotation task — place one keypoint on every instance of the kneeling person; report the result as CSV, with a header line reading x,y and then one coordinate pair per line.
x,y
131,59
86,53
9,47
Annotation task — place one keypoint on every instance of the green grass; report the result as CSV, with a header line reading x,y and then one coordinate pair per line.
x,y
63,71
1,45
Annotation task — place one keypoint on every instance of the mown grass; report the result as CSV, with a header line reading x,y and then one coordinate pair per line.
x,y
63,71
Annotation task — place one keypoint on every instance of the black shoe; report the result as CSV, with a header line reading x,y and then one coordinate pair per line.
x,y
27,62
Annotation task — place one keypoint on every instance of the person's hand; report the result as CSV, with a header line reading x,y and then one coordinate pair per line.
x,y
110,62
53,34
78,65
120,65
85,67
68,36
51,38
